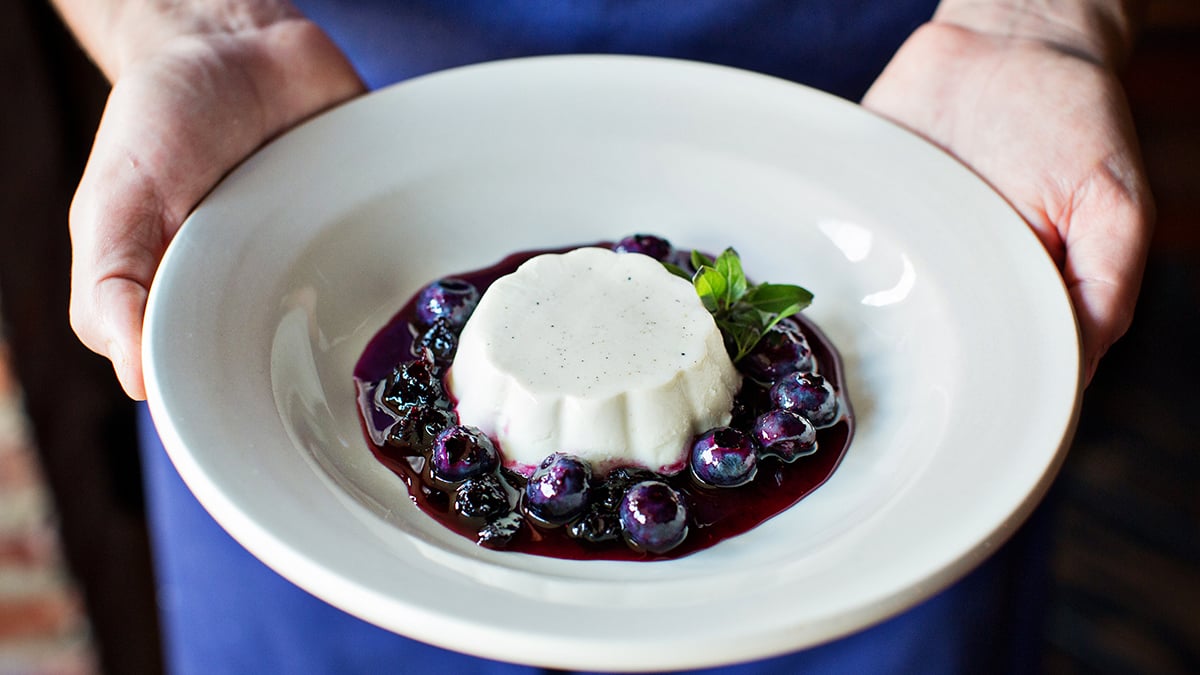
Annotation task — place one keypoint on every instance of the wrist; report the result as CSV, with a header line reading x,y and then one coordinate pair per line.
x,y
1102,31
118,33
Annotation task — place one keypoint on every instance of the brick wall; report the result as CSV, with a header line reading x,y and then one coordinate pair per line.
x,y
43,630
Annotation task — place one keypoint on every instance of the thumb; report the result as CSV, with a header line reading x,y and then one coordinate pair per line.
x,y
111,271
1104,262
119,229
122,303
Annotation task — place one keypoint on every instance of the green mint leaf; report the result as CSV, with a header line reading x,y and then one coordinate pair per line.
x,y
770,323
711,287
737,338
744,326
779,298
743,312
677,271
730,267
740,338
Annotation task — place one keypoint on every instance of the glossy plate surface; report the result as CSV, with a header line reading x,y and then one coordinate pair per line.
x,y
958,338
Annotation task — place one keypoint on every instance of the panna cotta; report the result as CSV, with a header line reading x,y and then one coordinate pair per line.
x,y
606,356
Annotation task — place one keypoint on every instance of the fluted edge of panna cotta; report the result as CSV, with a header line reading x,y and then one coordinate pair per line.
x,y
606,356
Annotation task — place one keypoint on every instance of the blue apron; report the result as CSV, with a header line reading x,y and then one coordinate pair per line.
x,y
839,46
225,612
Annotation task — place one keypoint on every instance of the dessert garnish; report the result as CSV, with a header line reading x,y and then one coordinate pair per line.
x,y
743,311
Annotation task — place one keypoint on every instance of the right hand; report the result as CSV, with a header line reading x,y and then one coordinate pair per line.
x,y
181,114
1036,109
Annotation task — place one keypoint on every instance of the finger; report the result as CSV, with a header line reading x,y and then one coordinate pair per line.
x,y
121,219
117,237
123,304
1107,243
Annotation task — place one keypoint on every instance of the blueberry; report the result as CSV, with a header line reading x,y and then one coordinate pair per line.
x,y
601,522
462,452
418,425
750,401
415,383
516,480
500,531
481,497
439,341
724,457
558,490
450,299
809,395
630,475
609,492
784,349
597,525
646,244
654,517
784,434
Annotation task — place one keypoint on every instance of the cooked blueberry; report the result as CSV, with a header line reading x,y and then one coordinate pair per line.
x,y
646,244
450,299
512,478
597,525
784,349
498,532
809,395
630,475
724,457
558,490
609,492
481,497
749,403
418,425
654,517
784,434
414,383
439,341
462,452
601,521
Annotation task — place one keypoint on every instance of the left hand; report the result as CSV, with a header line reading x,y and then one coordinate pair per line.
x,y
1046,123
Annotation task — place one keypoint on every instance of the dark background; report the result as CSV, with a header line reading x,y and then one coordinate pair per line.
x,y
1126,562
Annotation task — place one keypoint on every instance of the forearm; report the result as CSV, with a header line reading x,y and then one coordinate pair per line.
x,y
1102,31
116,33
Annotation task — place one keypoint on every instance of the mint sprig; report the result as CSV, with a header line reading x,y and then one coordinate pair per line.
x,y
743,311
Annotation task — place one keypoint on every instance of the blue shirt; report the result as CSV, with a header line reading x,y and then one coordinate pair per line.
x,y
836,45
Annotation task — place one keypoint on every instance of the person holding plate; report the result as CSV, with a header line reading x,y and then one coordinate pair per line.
x,y
1024,93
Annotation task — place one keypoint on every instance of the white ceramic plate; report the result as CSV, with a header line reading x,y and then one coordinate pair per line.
x,y
958,337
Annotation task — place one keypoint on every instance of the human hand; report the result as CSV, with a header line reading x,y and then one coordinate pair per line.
x,y
1032,105
191,100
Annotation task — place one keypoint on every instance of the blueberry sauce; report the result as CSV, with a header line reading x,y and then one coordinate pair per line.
x,y
715,514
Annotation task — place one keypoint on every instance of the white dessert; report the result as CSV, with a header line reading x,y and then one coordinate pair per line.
x,y
607,356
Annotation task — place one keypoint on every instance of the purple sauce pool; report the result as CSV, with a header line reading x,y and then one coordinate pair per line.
x,y
716,513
